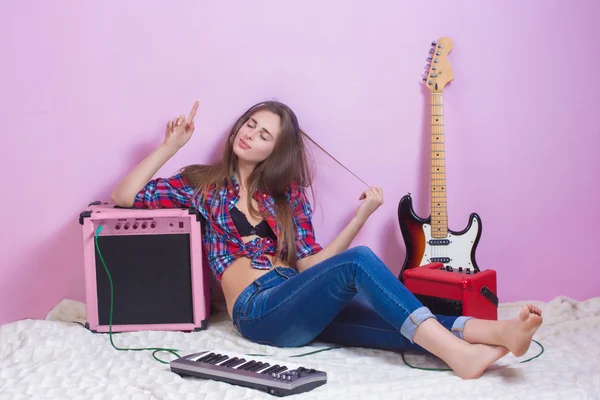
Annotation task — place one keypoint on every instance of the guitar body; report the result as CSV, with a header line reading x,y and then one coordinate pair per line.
x,y
456,250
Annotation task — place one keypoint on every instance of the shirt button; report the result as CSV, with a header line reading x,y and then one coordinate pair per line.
x,y
253,231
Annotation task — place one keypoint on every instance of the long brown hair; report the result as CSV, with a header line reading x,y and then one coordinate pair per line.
x,y
286,165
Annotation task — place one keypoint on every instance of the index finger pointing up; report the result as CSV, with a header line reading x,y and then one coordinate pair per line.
x,y
193,112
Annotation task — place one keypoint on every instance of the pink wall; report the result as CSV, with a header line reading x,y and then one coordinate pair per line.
x,y
87,88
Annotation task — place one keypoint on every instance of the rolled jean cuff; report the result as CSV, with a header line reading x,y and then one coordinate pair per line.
x,y
410,325
459,326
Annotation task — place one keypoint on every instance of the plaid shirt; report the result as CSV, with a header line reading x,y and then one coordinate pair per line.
x,y
222,241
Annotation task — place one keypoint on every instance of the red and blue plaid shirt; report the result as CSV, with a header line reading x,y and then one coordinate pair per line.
x,y
221,239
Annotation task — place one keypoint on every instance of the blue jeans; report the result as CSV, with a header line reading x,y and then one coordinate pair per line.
x,y
350,299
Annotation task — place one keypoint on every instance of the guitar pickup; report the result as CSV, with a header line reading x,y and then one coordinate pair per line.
x,y
439,242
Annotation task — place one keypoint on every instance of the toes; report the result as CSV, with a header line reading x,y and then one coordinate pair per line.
x,y
534,309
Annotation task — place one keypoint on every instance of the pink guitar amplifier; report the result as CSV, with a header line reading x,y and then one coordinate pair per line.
x,y
157,264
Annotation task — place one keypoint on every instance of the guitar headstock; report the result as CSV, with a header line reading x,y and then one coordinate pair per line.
x,y
439,72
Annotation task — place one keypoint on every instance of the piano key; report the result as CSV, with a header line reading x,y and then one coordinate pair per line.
x,y
279,370
258,367
206,357
228,363
270,369
243,366
219,360
250,365
238,362
210,359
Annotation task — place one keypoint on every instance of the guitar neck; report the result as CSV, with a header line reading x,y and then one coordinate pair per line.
x,y
439,211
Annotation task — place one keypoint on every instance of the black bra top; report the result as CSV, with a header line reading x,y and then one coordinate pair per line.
x,y
246,229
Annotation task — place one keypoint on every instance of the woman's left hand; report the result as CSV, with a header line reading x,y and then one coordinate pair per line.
x,y
373,199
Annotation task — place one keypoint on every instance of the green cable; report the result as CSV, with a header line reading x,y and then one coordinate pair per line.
x,y
174,351
112,293
403,358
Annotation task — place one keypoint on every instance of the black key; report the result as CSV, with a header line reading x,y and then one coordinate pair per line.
x,y
280,369
206,357
211,359
220,359
229,362
214,359
264,367
258,366
270,369
251,368
235,364
248,364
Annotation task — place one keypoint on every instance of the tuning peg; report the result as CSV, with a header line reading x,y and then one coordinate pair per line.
x,y
430,58
439,46
431,50
433,43
424,79
434,68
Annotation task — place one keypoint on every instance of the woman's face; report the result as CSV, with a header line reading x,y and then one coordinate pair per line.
x,y
255,140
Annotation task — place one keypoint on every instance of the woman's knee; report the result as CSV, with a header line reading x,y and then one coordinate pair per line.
x,y
364,256
361,252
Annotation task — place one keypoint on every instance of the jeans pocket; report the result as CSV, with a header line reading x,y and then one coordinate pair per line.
x,y
248,304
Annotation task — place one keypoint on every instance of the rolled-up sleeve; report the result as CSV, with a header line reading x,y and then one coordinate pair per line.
x,y
172,192
306,243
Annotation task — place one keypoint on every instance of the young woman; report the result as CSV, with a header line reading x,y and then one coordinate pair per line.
x,y
282,288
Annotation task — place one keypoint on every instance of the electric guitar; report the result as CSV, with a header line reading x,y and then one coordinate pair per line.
x,y
429,240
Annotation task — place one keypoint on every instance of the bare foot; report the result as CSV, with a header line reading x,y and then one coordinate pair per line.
x,y
476,359
520,330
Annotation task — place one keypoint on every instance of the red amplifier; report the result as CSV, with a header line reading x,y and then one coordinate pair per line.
x,y
447,292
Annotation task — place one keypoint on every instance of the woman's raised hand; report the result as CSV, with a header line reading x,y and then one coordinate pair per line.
x,y
180,129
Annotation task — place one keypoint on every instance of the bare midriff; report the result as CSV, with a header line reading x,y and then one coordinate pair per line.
x,y
240,274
